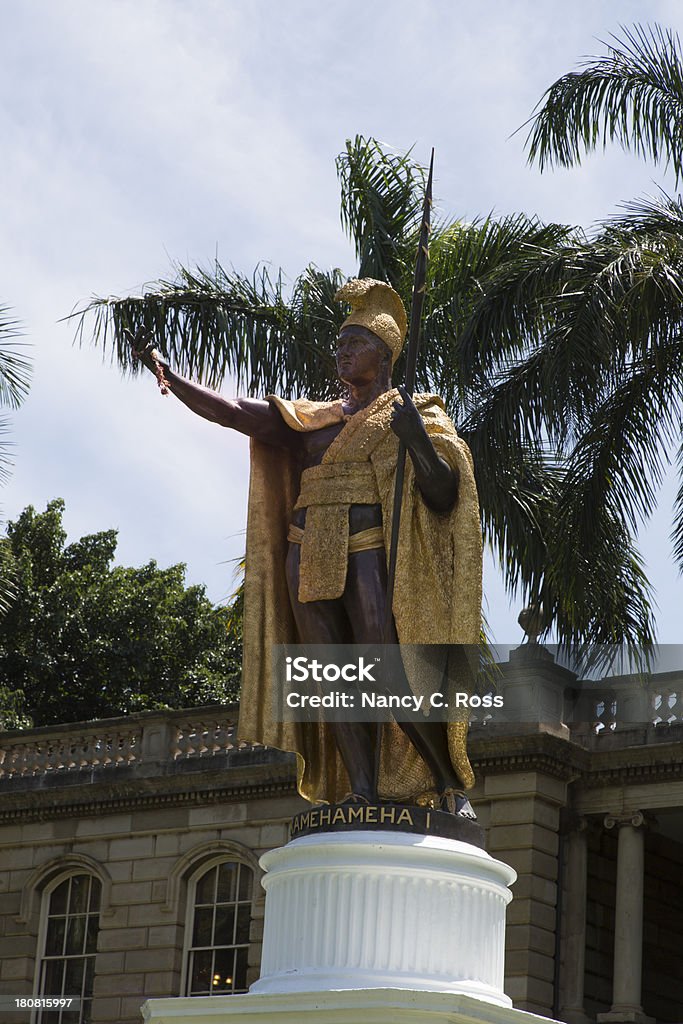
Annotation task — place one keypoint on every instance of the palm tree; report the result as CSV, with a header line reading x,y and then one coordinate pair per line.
x,y
592,329
212,322
14,378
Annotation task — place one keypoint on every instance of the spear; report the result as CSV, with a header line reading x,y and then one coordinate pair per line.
x,y
419,287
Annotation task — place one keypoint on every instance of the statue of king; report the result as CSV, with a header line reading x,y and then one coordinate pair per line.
x,y
320,511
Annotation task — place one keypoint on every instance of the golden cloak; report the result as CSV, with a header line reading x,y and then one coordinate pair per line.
x,y
437,595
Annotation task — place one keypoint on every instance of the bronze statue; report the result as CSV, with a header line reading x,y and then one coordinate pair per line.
x,y
320,508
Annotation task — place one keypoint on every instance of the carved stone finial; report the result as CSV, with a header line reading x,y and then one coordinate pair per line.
x,y
534,621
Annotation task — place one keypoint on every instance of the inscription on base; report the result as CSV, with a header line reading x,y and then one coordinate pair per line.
x,y
385,817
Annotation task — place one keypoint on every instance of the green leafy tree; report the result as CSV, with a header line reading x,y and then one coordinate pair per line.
x,y
213,322
13,714
84,639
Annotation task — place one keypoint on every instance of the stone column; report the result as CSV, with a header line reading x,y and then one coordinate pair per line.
x,y
574,924
628,923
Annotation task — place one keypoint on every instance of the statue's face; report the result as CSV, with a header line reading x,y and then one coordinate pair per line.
x,y
360,355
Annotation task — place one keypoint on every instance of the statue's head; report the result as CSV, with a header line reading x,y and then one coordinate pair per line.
x,y
362,357
378,311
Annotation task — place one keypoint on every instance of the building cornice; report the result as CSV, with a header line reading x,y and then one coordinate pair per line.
x,y
258,782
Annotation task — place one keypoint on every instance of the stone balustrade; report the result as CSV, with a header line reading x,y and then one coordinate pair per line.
x,y
153,736
37,754
612,711
623,702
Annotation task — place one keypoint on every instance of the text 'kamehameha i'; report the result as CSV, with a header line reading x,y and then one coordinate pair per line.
x,y
384,817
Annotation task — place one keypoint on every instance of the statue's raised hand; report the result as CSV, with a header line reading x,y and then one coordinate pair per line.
x,y
142,346
406,421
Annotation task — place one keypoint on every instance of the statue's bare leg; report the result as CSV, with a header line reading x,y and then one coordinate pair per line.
x,y
326,622
365,601
358,617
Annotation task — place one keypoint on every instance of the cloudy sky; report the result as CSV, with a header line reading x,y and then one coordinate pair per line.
x,y
139,132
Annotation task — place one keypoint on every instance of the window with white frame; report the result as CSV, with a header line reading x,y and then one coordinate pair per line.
x,y
218,927
67,963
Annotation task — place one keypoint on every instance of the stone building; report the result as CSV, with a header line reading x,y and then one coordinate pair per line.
x,y
129,852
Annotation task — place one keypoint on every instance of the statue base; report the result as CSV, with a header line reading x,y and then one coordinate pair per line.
x,y
362,909
373,926
371,1006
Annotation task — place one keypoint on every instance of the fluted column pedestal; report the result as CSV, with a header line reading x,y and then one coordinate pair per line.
x,y
384,909
373,927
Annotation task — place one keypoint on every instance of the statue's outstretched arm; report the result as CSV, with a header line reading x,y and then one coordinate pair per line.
x,y
437,481
251,416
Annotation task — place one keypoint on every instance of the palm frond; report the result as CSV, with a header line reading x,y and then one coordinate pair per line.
x,y
537,347
462,348
517,497
614,425
595,592
617,465
381,206
15,368
15,372
5,450
677,533
632,95
209,323
659,216
554,331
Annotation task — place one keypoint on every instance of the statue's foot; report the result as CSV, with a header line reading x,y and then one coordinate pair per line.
x,y
356,798
454,801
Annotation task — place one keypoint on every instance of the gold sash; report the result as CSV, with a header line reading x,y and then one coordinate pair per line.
x,y
327,493
364,540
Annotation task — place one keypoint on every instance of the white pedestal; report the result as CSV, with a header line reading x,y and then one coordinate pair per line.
x,y
364,910
373,927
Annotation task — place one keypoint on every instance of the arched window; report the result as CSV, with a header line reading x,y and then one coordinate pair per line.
x,y
69,944
220,903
